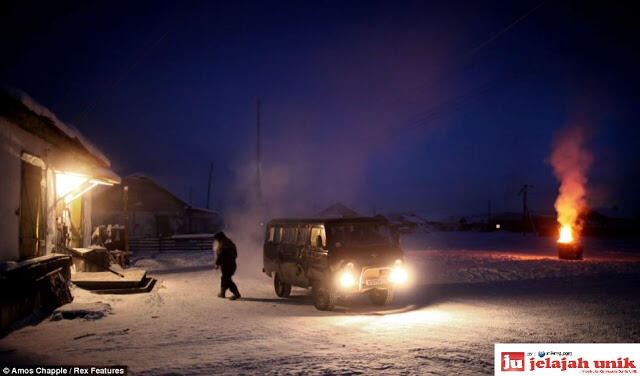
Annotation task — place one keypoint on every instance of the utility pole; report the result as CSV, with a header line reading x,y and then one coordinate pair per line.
x,y
125,199
526,217
258,152
209,183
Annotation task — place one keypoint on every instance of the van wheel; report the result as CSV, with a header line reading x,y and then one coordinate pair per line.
x,y
380,297
323,297
283,290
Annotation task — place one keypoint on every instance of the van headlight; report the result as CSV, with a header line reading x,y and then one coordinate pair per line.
x,y
347,279
398,274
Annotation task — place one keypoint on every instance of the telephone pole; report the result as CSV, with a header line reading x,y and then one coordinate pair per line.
x,y
209,183
526,216
125,202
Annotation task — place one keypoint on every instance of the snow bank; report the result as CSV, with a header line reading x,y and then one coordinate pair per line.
x,y
446,324
453,257
172,260
86,311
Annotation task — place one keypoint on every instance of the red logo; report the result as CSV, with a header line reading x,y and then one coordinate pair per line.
x,y
513,361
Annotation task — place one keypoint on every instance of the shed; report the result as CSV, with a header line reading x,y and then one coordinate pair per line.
x,y
154,211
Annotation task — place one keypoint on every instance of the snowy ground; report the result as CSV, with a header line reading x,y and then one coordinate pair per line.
x,y
470,290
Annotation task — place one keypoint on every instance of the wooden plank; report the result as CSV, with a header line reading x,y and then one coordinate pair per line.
x,y
146,286
107,280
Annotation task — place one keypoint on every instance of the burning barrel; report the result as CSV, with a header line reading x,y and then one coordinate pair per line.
x,y
568,247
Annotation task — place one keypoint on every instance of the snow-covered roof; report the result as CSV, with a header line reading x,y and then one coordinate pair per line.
x,y
70,131
337,210
143,176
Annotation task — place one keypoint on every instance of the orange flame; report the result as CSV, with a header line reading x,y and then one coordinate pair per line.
x,y
570,163
566,235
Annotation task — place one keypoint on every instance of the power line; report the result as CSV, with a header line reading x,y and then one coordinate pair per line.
x,y
458,102
497,35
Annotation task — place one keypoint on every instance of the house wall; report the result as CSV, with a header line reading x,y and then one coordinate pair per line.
x,y
86,219
13,142
142,224
51,214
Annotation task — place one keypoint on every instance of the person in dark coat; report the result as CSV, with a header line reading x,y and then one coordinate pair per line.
x,y
226,261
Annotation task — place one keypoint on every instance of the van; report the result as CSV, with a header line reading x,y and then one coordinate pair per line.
x,y
335,258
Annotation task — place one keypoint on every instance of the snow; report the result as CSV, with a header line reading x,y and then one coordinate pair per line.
x,y
86,311
470,291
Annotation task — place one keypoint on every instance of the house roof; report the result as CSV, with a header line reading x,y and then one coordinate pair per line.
x,y
337,210
33,117
333,220
149,179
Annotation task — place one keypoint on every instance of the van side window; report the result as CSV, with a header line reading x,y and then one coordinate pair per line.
x,y
277,237
303,236
315,232
289,235
272,232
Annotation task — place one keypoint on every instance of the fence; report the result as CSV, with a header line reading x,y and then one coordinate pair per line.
x,y
199,243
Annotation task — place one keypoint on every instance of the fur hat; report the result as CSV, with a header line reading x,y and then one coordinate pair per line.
x,y
220,236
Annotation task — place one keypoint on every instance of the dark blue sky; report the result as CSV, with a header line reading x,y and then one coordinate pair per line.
x,y
421,106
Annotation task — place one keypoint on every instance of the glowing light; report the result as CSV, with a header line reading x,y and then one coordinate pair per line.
x,y
398,275
497,226
67,183
71,186
347,279
566,236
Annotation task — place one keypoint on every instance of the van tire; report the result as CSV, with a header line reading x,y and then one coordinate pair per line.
x,y
380,297
283,289
323,297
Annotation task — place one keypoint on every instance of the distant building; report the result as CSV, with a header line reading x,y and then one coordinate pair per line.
x,y
337,210
154,212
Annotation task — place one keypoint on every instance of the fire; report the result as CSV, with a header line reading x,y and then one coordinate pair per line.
x,y
566,235
570,163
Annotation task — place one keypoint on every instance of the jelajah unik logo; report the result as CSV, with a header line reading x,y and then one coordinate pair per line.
x,y
512,361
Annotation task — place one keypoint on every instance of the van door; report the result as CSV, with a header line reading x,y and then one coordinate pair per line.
x,y
287,255
303,246
268,251
317,256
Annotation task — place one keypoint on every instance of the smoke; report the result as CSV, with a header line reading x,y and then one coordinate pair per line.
x,y
571,161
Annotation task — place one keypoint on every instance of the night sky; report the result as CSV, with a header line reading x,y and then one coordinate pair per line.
x,y
401,106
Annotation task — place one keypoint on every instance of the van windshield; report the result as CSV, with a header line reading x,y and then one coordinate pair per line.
x,y
360,234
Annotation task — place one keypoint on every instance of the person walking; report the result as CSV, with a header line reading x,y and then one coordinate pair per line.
x,y
226,261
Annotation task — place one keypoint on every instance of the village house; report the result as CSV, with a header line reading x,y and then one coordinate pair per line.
x,y
48,173
158,219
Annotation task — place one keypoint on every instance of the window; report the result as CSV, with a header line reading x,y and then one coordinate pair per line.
x,y
277,236
289,235
361,234
315,232
303,236
272,232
